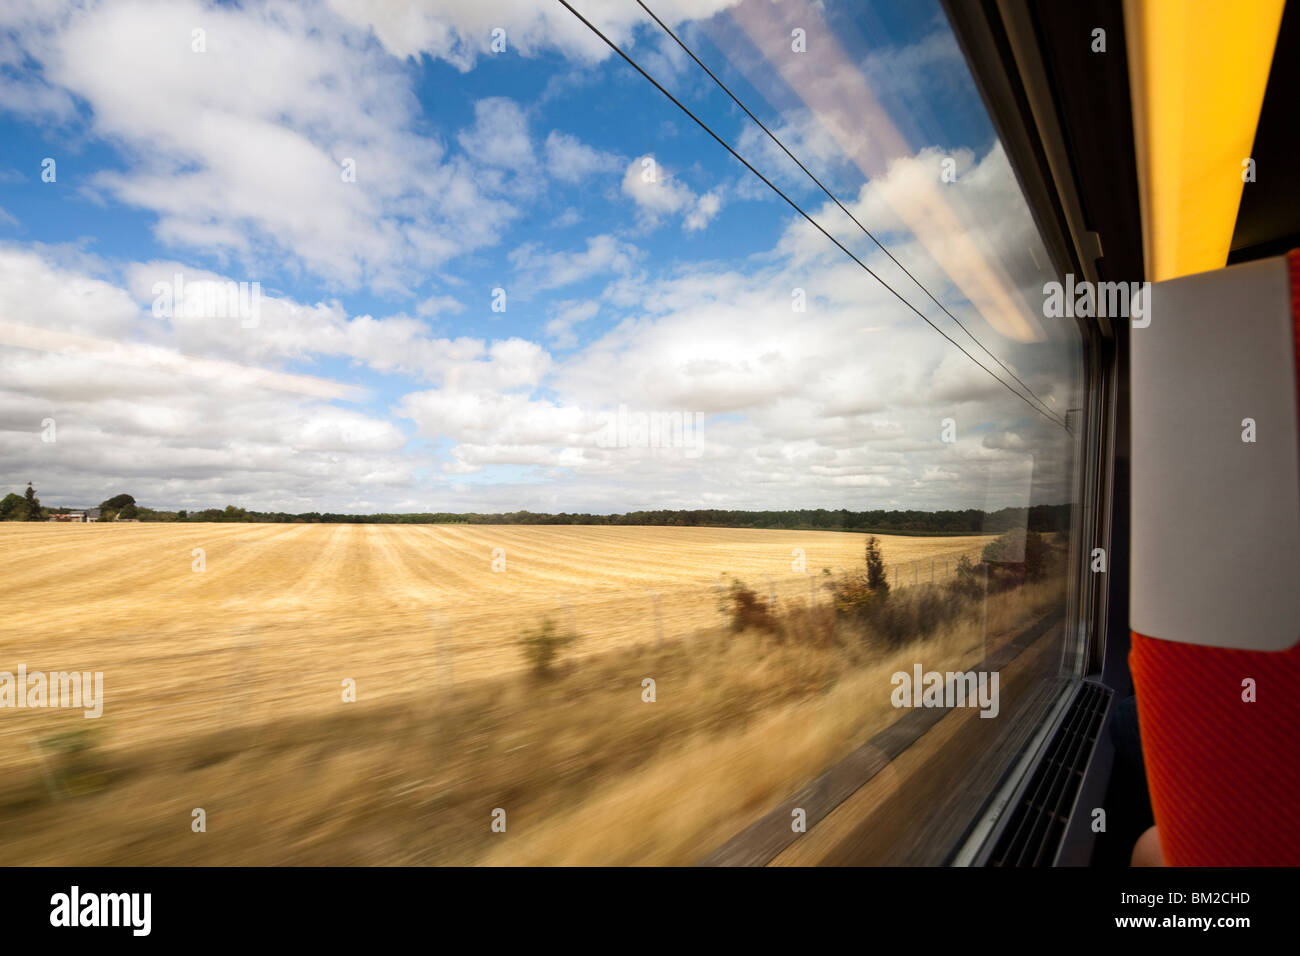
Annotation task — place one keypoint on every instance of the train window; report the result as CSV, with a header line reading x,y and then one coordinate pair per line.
x,y
576,435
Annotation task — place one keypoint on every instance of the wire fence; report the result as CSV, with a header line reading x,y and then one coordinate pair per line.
x,y
931,570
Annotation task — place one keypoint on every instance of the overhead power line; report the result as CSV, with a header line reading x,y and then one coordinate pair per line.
x,y
833,198
797,208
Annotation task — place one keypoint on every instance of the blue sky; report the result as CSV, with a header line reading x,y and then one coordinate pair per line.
x,y
379,376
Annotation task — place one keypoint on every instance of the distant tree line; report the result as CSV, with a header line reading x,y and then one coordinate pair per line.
x,y
1040,518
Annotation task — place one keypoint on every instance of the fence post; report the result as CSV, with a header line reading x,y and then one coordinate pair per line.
x,y
443,658
659,621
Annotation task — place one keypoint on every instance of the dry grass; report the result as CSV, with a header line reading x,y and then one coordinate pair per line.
x,y
284,612
447,726
685,802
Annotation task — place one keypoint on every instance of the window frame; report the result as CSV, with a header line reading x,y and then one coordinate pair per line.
x,y
1006,46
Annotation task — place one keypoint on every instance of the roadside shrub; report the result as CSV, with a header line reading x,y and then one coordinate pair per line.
x,y
970,581
852,596
811,625
74,763
1019,547
913,613
542,646
855,594
877,579
748,611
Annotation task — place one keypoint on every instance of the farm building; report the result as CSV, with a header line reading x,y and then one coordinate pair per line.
x,y
88,514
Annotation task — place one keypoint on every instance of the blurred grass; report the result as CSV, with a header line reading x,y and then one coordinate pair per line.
x,y
587,772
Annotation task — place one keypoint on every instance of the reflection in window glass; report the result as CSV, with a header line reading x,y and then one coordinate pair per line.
x,y
444,451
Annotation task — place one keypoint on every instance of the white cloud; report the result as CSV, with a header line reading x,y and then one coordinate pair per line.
x,y
461,31
184,431
840,405
437,304
570,217
38,292
802,133
570,314
657,193
502,429
499,136
570,160
245,153
287,330
549,270
704,209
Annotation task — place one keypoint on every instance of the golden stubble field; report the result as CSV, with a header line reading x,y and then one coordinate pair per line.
x,y
223,688
294,609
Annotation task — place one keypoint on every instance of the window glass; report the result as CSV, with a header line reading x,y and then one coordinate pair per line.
x,y
443,450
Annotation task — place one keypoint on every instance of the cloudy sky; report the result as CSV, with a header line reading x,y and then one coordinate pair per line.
x,y
477,233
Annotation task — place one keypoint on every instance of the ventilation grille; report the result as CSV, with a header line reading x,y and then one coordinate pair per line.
x,y
1037,824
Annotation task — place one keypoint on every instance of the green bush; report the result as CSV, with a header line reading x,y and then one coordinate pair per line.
x,y
12,507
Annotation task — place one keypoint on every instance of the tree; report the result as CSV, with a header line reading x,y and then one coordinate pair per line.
x,y
129,511
109,509
33,504
877,579
12,507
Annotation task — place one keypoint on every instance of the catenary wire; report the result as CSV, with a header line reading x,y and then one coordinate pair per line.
x,y
797,208
833,198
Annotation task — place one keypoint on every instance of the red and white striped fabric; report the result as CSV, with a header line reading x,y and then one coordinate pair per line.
x,y
1215,584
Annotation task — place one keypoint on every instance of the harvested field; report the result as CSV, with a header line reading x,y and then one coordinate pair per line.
x,y
223,687
396,608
